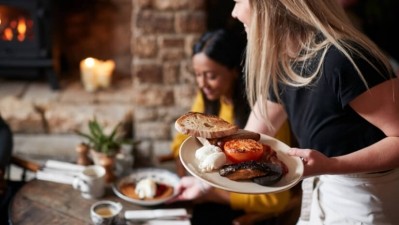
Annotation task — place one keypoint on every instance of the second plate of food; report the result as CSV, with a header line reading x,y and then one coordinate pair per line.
x,y
165,181
294,164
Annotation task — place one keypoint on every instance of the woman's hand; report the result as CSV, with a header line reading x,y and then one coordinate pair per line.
x,y
191,188
315,162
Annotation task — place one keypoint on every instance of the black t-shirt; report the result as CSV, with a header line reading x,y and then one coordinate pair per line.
x,y
320,115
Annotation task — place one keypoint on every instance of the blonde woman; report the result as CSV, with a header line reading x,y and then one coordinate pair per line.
x,y
305,62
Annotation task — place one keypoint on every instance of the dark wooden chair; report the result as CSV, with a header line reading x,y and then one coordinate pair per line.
x,y
9,187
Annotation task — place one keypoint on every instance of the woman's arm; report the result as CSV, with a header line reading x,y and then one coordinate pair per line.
x,y
256,122
379,106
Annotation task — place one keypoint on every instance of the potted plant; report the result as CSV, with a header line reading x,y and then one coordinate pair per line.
x,y
103,147
101,142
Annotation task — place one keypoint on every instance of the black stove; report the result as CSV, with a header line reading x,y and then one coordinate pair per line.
x,y
26,40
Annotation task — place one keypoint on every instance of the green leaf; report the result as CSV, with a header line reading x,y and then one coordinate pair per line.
x,y
101,142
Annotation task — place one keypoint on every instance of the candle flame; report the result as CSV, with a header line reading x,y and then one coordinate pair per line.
x,y
90,62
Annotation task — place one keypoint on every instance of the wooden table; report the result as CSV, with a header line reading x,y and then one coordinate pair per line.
x,y
44,202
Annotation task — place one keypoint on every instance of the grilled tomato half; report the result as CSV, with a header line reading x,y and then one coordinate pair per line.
x,y
240,150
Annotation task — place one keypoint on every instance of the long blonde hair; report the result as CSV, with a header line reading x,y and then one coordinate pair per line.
x,y
277,26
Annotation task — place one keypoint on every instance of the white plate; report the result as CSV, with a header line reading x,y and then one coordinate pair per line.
x,y
158,175
294,164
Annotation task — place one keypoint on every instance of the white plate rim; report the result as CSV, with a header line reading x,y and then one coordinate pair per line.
x,y
294,164
170,178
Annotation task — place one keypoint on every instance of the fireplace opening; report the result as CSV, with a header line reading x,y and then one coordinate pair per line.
x,y
15,24
26,49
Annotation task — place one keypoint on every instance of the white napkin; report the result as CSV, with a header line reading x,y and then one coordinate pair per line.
x,y
55,177
154,214
58,171
167,222
54,164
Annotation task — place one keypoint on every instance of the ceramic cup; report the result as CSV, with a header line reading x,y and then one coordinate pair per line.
x,y
106,213
91,182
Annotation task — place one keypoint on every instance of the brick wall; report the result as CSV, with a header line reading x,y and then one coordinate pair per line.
x,y
163,87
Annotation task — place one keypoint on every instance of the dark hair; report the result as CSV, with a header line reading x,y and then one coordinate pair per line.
x,y
227,49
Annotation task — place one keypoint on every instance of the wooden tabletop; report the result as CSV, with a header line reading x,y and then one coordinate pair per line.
x,y
44,202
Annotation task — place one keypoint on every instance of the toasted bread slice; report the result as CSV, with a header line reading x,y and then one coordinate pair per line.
x,y
203,125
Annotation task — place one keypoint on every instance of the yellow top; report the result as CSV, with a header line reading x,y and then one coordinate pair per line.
x,y
265,203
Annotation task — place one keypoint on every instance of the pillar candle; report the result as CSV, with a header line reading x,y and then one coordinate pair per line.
x,y
88,74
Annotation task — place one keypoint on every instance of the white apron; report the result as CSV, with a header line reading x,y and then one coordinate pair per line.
x,y
359,199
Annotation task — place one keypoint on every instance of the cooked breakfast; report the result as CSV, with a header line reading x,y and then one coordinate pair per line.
x,y
237,154
146,189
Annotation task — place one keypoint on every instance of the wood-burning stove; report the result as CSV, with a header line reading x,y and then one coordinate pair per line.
x,y
26,45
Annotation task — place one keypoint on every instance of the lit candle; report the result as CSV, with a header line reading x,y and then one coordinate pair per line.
x,y
88,74
96,73
104,73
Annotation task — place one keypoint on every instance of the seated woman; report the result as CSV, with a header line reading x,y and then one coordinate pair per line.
x,y
216,61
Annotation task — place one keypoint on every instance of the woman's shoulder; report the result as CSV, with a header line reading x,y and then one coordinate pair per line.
x,y
346,66
349,55
333,54
198,104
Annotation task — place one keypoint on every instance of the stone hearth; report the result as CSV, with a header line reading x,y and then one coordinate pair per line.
x,y
44,120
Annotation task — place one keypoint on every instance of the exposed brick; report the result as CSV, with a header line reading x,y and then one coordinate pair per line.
x,y
166,4
172,55
148,73
190,22
155,22
153,130
170,114
153,96
179,4
184,95
172,42
142,4
190,41
186,73
145,47
145,114
196,4
170,72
